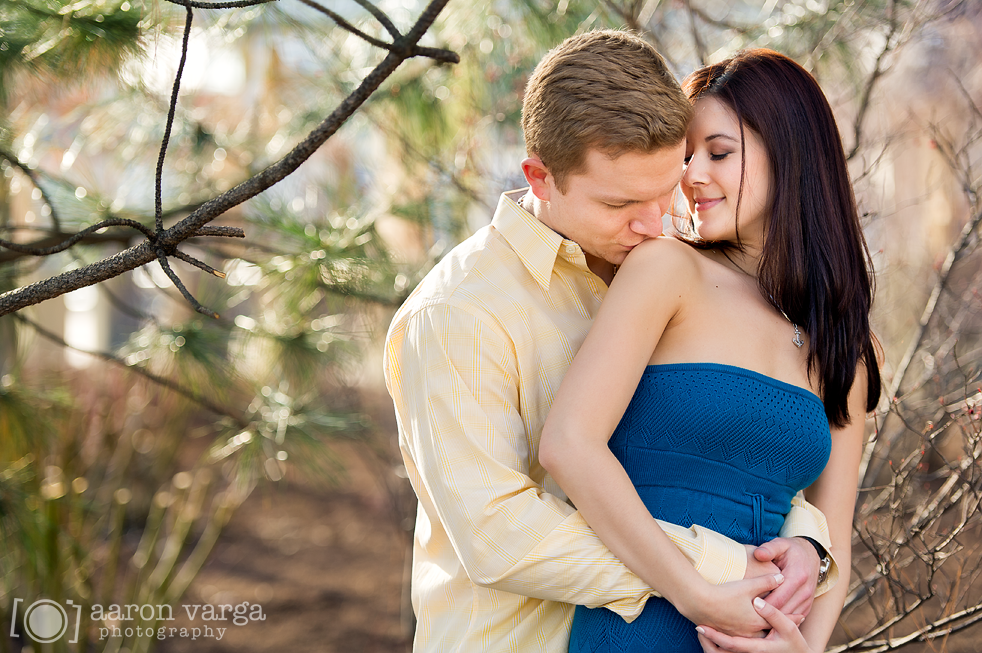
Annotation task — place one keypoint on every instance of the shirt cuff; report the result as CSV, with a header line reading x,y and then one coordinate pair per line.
x,y
723,560
805,520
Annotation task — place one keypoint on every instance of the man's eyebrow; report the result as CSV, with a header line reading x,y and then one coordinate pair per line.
x,y
610,199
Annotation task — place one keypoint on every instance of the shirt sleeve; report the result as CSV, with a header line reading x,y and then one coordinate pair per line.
x,y
455,382
805,520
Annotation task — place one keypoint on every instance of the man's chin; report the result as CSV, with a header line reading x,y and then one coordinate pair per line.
x,y
617,258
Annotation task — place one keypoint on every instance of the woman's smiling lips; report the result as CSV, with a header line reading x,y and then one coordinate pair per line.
x,y
706,204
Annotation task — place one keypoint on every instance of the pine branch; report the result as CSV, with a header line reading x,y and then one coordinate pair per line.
x,y
166,241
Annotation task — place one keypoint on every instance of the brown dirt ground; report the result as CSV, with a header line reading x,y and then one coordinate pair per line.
x,y
325,564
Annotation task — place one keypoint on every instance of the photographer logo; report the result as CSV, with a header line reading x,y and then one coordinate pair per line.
x,y
46,621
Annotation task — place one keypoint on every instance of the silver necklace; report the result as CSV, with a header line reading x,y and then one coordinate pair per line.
x,y
798,342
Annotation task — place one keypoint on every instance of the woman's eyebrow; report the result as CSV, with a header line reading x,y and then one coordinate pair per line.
x,y
712,137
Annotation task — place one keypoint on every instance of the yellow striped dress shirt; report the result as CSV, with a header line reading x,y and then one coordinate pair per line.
x,y
472,361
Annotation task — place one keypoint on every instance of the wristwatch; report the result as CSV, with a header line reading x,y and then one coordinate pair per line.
x,y
824,559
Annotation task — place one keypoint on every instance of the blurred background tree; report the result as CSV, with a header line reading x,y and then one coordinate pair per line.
x,y
118,471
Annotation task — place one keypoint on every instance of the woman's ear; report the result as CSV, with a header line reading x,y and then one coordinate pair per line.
x,y
539,178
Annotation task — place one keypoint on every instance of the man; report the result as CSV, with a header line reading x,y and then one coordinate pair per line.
x,y
475,355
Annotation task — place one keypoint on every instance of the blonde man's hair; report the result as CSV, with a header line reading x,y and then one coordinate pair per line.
x,y
605,89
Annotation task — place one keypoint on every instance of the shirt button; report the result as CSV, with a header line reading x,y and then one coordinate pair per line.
x,y
571,249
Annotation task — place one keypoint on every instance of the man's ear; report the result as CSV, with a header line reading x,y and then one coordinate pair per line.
x,y
539,178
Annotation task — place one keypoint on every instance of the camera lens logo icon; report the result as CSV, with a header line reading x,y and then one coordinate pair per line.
x,y
45,621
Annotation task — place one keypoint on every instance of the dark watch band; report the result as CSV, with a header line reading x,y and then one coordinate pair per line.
x,y
824,559
822,553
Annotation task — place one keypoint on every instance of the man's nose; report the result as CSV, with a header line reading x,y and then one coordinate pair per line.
x,y
648,221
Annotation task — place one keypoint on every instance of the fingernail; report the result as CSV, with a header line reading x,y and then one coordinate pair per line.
x,y
700,630
758,602
779,578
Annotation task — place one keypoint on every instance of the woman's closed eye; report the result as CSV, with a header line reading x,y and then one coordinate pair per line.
x,y
712,157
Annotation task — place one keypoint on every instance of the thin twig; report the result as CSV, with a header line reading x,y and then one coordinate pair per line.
x,y
33,176
162,259
159,380
34,250
198,264
158,202
380,17
344,24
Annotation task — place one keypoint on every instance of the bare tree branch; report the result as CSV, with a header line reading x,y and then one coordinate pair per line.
x,y
878,70
963,242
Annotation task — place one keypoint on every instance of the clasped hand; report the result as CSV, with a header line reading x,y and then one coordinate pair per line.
x,y
784,636
781,614
784,570
729,607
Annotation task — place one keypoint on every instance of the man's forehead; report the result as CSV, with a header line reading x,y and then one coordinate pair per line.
x,y
636,173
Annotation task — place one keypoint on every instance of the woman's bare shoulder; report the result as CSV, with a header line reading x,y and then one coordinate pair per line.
x,y
664,253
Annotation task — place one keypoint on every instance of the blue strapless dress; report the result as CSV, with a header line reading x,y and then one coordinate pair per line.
x,y
715,445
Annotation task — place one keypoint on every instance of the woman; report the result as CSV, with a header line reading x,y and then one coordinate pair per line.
x,y
735,362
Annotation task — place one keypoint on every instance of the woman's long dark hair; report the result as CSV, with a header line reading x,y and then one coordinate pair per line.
x,y
815,265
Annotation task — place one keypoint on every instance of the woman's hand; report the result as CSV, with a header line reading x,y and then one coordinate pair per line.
x,y
728,608
783,638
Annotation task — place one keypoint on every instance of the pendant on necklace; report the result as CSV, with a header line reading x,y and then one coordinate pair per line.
x,y
798,342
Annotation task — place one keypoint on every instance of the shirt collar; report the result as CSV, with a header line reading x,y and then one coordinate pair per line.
x,y
536,244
